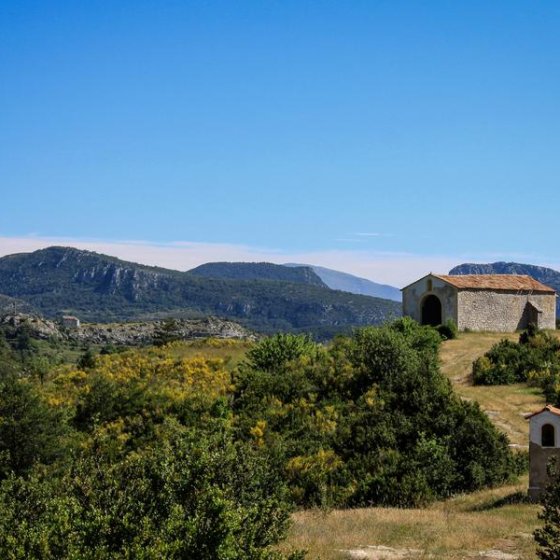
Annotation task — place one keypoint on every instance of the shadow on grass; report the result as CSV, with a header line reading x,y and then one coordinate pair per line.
x,y
515,498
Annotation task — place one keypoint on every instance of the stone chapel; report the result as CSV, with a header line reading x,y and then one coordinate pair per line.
x,y
481,302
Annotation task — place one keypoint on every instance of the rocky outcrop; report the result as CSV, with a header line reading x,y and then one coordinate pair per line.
x,y
127,334
38,327
138,334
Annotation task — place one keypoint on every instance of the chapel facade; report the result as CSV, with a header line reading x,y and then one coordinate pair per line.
x,y
481,302
544,445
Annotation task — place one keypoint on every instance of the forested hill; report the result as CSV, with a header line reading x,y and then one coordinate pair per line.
x,y
13,305
258,271
547,276
100,288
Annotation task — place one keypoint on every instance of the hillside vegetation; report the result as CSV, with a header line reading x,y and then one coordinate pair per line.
x,y
367,420
164,452
100,288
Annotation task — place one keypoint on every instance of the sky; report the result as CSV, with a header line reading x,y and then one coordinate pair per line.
x,y
382,138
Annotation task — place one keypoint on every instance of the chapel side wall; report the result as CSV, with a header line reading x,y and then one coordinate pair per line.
x,y
481,310
539,458
547,304
414,295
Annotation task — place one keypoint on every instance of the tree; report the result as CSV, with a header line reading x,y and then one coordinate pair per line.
x,y
23,343
367,420
167,332
30,430
548,536
276,352
86,360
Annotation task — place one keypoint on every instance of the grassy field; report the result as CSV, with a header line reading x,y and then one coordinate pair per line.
x,y
505,404
493,524
489,524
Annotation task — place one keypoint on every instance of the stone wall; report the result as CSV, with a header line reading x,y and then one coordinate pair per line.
x,y
539,458
414,295
480,310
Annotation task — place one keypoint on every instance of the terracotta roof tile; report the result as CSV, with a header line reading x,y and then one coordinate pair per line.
x,y
548,408
509,282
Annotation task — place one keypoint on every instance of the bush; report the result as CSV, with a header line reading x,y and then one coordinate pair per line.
x,y
369,420
30,430
509,362
186,495
276,352
448,331
170,457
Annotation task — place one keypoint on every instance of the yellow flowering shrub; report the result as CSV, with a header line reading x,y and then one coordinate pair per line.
x,y
152,371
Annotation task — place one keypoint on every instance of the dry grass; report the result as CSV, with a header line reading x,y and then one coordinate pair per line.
x,y
462,527
505,404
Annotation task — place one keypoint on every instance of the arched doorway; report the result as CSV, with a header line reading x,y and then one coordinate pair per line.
x,y
431,311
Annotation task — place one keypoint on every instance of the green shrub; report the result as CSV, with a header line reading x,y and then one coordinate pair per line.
x,y
369,420
509,362
30,431
186,495
448,331
276,352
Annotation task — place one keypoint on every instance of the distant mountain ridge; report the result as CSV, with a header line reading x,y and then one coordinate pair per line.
x,y
102,288
547,276
345,282
259,271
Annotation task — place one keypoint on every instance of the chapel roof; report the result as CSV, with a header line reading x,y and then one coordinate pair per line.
x,y
547,408
508,282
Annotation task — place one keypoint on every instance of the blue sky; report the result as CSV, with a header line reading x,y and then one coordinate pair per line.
x,y
385,138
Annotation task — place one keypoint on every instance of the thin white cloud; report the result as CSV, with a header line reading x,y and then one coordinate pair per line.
x,y
374,234
397,269
349,240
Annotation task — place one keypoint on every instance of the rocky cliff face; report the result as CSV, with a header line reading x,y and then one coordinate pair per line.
x,y
107,275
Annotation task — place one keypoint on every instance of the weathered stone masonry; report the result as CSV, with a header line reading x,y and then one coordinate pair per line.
x,y
504,311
